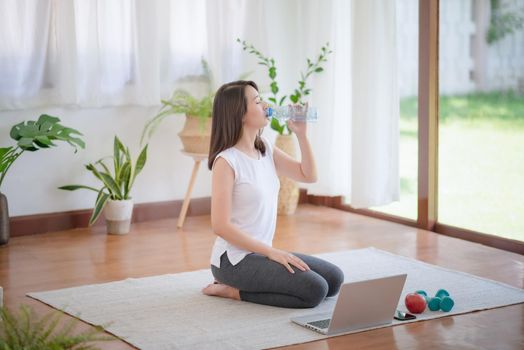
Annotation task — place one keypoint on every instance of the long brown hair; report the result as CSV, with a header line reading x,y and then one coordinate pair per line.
x,y
229,107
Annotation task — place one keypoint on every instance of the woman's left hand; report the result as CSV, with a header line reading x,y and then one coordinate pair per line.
x,y
298,127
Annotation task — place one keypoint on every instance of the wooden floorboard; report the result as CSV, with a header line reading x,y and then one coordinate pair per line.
x,y
85,256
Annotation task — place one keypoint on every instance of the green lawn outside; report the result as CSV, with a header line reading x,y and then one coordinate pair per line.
x,y
481,163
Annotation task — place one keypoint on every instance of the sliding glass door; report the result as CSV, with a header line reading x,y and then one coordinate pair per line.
x,y
461,150
481,117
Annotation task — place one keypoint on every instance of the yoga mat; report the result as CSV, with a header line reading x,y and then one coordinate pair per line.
x,y
170,312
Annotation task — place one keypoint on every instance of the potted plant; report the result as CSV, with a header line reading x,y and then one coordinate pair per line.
x,y
26,330
114,195
31,136
289,192
196,134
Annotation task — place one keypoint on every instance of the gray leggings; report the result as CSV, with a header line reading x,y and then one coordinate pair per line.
x,y
264,281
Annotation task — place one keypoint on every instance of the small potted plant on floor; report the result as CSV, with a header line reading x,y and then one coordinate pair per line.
x,y
114,195
31,136
289,192
196,134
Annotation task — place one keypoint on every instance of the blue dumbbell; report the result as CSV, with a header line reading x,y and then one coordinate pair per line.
x,y
441,300
432,303
446,302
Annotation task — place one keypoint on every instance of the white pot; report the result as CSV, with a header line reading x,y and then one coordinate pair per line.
x,y
118,216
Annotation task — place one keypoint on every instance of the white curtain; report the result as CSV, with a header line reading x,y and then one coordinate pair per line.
x,y
356,140
375,132
24,33
94,53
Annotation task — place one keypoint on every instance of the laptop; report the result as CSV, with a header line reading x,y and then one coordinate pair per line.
x,y
359,305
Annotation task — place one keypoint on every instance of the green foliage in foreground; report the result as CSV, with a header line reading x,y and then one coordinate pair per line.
x,y
26,330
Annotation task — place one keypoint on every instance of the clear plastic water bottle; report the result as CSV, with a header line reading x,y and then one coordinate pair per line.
x,y
292,112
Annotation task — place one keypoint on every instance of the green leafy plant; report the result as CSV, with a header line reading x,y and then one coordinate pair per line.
x,y
26,330
116,184
503,21
34,135
183,102
299,93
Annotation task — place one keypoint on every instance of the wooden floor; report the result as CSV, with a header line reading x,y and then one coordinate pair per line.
x,y
86,256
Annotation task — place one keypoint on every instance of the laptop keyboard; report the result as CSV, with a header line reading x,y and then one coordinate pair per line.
x,y
322,324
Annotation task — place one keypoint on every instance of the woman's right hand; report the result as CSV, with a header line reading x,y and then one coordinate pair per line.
x,y
287,259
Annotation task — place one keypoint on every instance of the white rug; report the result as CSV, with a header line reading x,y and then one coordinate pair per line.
x,y
169,311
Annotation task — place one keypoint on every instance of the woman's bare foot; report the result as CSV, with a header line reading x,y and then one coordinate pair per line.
x,y
221,290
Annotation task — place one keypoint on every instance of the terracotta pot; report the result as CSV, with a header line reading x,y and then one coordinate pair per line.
x,y
289,192
196,135
4,220
118,216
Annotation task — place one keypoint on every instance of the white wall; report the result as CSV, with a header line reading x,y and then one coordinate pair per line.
x,y
407,47
505,59
499,66
455,58
31,183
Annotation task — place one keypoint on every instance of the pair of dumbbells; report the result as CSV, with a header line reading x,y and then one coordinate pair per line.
x,y
416,302
441,300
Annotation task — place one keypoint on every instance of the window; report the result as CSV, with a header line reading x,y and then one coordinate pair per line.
x,y
481,117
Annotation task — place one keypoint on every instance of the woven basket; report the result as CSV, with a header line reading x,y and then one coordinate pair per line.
x,y
196,135
289,192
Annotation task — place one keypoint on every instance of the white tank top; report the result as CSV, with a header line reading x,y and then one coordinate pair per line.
x,y
254,200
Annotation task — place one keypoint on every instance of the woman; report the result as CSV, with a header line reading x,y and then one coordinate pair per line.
x,y
244,208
